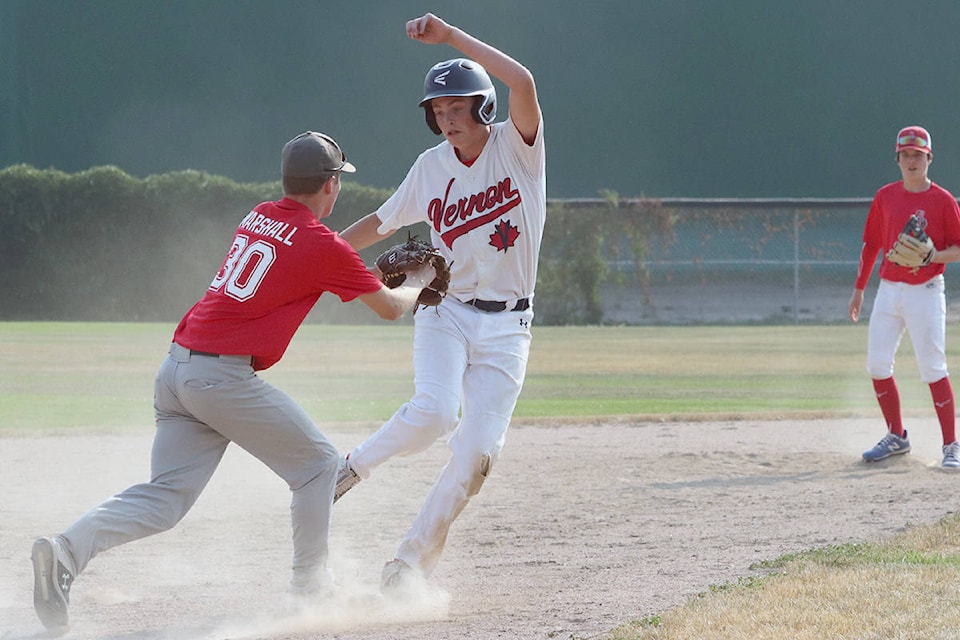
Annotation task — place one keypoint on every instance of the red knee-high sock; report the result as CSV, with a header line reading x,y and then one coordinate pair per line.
x,y
888,396
942,393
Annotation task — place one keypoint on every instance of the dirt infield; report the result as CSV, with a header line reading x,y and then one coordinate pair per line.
x,y
580,528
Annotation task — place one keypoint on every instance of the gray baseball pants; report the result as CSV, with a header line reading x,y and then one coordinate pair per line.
x,y
203,403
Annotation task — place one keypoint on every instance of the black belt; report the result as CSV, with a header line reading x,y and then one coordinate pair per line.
x,y
493,306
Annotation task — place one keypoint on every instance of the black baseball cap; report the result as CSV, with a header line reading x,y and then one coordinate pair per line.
x,y
312,154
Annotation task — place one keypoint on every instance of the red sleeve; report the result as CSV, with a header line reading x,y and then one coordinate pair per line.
x,y
951,223
868,257
872,243
344,273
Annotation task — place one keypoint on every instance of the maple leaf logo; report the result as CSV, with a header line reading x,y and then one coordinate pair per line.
x,y
504,236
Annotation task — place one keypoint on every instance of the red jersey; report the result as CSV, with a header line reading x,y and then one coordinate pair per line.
x,y
891,208
281,260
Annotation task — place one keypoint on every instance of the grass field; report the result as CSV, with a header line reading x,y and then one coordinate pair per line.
x,y
56,376
905,588
69,377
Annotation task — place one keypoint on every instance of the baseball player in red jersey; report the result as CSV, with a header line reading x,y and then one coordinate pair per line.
x,y
207,393
909,298
483,193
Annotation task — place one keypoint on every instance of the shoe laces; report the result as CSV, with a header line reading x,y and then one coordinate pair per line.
x,y
890,440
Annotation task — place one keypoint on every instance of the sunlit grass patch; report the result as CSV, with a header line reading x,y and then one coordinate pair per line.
x,y
907,587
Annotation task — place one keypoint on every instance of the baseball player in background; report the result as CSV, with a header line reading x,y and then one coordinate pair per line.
x,y
207,392
911,292
482,191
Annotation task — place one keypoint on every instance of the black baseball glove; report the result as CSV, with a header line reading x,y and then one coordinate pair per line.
x,y
398,260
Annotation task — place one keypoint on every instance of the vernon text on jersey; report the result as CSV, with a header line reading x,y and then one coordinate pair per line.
x,y
496,200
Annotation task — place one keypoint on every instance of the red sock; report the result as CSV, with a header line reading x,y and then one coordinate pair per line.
x,y
889,399
942,393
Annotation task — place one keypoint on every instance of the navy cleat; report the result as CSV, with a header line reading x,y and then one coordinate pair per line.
x,y
890,445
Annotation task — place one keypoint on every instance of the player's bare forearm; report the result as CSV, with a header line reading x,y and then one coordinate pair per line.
x,y
856,304
392,304
363,233
498,64
524,105
950,254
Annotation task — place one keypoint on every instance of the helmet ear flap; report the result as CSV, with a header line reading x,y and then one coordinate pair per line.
x,y
431,118
484,109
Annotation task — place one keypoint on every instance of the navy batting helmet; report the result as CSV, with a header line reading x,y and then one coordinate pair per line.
x,y
459,77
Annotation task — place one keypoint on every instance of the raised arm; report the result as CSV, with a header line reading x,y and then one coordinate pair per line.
x,y
524,106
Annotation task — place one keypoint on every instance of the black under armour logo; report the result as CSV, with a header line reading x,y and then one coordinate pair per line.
x,y
524,323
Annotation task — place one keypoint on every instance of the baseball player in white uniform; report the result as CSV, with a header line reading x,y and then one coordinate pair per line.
x,y
483,193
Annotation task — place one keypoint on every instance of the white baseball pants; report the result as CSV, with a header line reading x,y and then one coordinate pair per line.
x,y
920,309
469,362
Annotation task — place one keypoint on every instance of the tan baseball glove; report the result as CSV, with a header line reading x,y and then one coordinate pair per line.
x,y
913,248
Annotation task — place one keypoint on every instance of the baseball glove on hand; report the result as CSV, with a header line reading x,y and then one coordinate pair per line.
x,y
913,247
398,260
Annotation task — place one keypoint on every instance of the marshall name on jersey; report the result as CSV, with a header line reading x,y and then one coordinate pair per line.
x,y
487,219
256,222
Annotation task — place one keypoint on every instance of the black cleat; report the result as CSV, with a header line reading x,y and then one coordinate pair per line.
x,y
51,583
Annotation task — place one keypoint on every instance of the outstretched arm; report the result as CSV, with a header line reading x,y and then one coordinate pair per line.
x,y
391,304
363,233
524,106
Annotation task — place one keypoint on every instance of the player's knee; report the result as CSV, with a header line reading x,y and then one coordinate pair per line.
x,y
322,467
171,505
879,370
479,474
440,413
929,375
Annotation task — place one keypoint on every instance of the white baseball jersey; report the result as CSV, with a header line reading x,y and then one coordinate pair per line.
x,y
487,219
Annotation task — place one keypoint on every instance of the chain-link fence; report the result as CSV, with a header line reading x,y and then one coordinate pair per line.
x,y
744,261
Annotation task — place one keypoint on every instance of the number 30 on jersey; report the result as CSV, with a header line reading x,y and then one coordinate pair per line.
x,y
244,268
